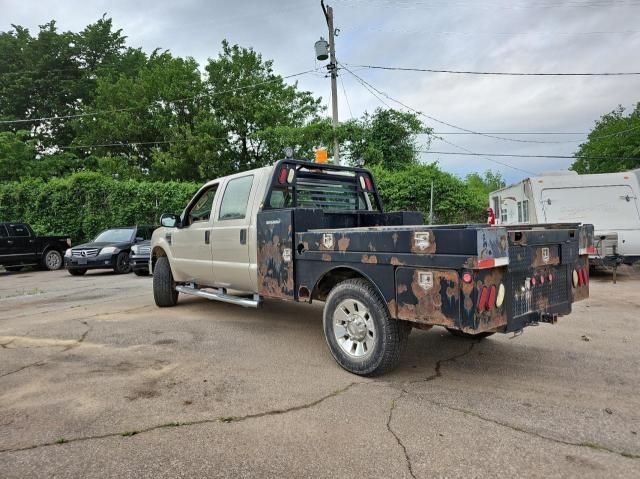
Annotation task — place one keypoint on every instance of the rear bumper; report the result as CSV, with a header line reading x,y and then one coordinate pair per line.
x,y
97,262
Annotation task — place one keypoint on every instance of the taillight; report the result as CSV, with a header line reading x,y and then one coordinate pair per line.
x,y
550,277
541,279
492,297
484,296
533,281
282,176
466,277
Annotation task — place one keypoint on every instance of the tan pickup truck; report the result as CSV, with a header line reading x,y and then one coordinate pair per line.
x,y
302,231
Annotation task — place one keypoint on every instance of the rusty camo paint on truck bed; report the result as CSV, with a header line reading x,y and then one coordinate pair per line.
x,y
275,254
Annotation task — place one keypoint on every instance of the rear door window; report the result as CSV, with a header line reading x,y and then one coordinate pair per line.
x,y
236,198
18,230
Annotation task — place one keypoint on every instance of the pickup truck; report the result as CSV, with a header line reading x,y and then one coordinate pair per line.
x,y
302,231
19,246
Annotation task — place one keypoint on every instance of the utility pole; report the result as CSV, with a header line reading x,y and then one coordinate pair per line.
x,y
333,70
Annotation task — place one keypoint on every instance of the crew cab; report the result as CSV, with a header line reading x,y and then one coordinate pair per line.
x,y
20,246
302,231
109,250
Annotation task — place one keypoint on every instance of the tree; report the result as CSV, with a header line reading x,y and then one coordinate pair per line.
x,y
386,137
613,144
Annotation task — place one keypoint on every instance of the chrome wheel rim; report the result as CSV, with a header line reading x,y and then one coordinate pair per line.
x,y
354,328
53,260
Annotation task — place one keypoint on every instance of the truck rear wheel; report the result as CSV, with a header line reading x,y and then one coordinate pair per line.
x,y
164,287
462,334
52,260
361,335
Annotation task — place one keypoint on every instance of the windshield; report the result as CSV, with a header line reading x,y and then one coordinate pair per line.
x,y
119,235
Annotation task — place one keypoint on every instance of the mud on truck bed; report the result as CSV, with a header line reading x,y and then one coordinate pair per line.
x,y
321,234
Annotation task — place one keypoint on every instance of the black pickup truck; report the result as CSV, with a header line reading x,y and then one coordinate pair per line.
x,y
301,231
19,246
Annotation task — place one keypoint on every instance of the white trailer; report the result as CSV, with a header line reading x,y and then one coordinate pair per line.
x,y
609,201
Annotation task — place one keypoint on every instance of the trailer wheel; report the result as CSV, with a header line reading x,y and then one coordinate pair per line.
x,y
361,335
462,334
164,287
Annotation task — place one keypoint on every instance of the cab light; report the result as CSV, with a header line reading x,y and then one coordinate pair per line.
x,y
492,298
500,295
484,296
282,176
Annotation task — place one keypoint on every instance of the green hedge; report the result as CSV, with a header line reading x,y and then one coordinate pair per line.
x,y
83,204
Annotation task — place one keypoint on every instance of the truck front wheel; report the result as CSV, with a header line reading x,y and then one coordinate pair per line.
x,y
360,334
164,287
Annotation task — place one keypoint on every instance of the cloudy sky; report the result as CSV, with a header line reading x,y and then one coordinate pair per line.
x,y
491,35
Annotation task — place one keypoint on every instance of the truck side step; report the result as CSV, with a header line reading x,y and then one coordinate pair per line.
x,y
219,296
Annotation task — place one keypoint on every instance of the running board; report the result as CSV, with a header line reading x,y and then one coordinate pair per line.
x,y
225,298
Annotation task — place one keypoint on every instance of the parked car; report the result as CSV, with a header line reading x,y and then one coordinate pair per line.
x,y
20,246
299,231
139,258
109,250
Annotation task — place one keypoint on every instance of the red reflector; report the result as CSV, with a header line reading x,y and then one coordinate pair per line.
x,y
541,279
368,183
533,281
486,263
466,277
482,302
585,276
282,177
580,279
550,277
492,298
591,249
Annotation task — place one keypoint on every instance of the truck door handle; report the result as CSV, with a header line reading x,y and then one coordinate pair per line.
x,y
243,236
9,241
207,237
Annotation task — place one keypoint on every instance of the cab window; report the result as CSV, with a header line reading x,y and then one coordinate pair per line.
x,y
201,209
18,230
236,198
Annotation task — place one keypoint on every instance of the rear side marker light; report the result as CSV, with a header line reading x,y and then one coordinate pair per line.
x,y
550,277
500,296
282,176
484,296
541,279
368,183
492,298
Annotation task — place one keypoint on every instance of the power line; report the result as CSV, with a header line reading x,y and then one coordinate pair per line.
x,y
598,137
494,73
367,87
511,5
344,90
451,125
119,110
514,155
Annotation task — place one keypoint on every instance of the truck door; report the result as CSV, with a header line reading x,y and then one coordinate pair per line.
x,y
191,244
21,243
230,234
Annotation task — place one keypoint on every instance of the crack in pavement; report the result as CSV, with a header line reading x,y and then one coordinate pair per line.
x,y
590,445
42,362
403,391
393,433
217,419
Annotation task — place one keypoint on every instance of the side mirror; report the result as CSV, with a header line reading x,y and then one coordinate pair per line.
x,y
169,220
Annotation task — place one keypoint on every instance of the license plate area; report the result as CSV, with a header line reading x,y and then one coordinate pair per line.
x,y
82,261
538,297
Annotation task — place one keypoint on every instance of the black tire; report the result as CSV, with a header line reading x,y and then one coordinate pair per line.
x,y
461,334
52,260
164,287
13,268
122,263
77,271
390,338
141,272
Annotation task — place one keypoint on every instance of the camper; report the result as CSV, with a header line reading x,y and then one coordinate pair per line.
x,y
609,201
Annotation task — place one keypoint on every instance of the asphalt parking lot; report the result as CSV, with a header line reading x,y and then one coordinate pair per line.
x,y
95,381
